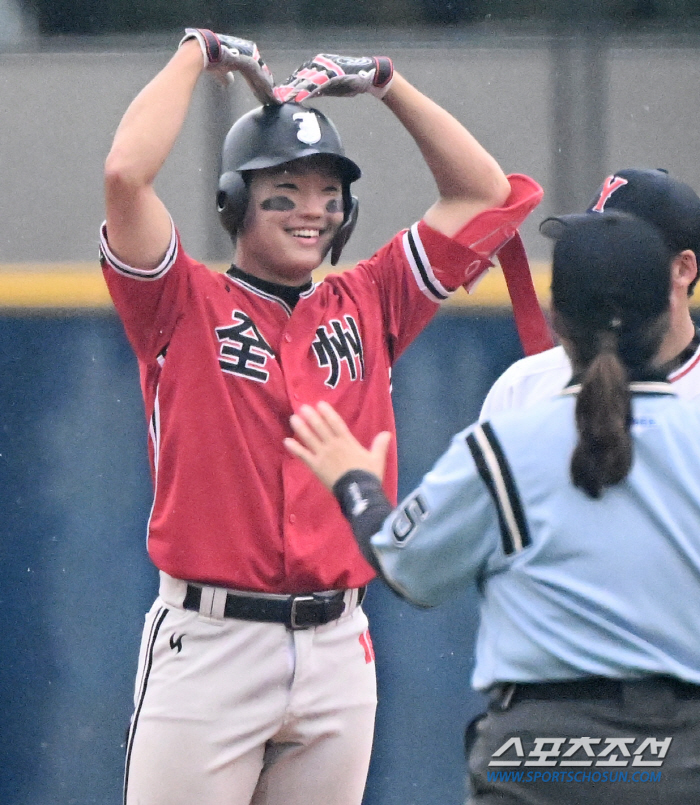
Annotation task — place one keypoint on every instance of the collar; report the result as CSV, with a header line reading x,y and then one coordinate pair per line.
x,y
658,374
648,376
653,387
287,294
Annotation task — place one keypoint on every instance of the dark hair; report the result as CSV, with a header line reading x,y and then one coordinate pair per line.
x,y
611,279
603,455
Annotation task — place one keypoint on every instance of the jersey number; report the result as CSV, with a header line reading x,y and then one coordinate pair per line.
x,y
413,512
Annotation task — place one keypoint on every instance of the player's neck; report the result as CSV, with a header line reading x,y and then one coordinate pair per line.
x,y
257,262
288,293
276,277
679,336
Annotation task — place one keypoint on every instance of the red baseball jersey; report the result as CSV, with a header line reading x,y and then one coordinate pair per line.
x,y
224,361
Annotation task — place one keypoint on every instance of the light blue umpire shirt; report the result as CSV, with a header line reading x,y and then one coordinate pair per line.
x,y
569,586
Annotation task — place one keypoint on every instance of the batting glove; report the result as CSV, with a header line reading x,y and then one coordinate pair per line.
x,y
224,55
342,76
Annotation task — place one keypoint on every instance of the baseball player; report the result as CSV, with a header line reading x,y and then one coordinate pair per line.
x,y
256,677
587,563
672,206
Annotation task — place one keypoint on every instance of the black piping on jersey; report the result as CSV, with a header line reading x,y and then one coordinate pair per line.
x,y
286,297
419,264
160,357
144,275
148,665
495,472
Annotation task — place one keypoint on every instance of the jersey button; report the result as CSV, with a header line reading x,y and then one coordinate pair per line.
x,y
292,518
288,338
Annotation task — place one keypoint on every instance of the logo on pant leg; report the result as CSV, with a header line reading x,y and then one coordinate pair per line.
x,y
366,643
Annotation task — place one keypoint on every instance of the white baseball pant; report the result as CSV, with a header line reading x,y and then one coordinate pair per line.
x,y
233,712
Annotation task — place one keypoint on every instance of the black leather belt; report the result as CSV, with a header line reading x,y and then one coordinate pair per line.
x,y
592,688
294,611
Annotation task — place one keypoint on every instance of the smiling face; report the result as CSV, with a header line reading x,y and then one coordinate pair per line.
x,y
293,214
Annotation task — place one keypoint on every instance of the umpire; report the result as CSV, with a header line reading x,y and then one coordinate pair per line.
x,y
585,548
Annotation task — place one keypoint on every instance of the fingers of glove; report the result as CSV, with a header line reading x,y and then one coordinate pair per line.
x,y
366,73
242,52
243,46
254,71
340,76
338,86
224,55
304,81
294,94
284,93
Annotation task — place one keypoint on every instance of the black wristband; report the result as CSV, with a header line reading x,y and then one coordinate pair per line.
x,y
212,43
384,71
364,504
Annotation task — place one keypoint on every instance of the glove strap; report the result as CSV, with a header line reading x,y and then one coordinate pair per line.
x,y
208,41
383,75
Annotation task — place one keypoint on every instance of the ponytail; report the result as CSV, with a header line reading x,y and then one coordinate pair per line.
x,y
603,455
611,287
606,357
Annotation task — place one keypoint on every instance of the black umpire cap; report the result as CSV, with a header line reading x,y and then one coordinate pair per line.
x,y
596,268
653,196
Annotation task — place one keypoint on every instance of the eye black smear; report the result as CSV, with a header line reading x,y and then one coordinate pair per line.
x,y
277,204
333,205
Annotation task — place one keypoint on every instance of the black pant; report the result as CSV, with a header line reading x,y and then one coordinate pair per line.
x,y
579,723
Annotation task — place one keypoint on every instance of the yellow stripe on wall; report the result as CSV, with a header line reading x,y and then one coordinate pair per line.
x,y
61,285
45,286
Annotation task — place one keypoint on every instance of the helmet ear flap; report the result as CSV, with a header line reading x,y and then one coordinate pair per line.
x,y
342,236
232,201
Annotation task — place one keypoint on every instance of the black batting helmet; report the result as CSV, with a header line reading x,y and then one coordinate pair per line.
x,y
273,135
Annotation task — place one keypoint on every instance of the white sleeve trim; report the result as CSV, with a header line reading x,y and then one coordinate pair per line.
x,y
139,273
420,266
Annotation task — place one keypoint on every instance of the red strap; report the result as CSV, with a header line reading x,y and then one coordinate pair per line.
x,y
534,332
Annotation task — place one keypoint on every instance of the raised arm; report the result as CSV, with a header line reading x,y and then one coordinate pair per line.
x,y
468,178
138,224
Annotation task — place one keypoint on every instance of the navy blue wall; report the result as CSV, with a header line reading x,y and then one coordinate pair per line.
x,y
75,581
